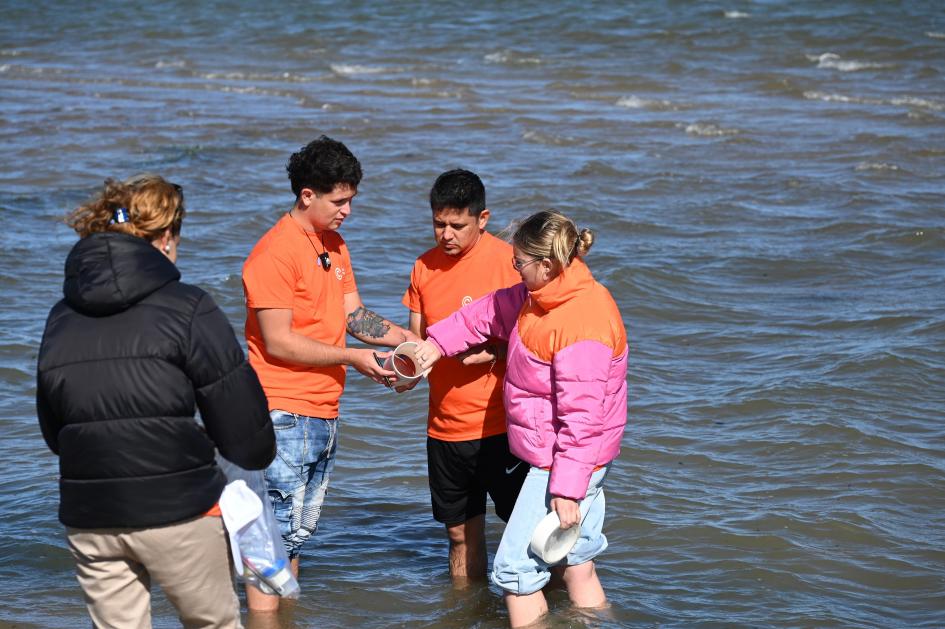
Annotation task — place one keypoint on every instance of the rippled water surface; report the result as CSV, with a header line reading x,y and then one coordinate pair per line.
x,y
765,181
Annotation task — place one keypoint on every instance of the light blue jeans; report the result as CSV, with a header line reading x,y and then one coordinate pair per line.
x,y
297,478
515,568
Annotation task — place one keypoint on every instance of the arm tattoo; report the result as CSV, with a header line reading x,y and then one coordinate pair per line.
x,y
364,323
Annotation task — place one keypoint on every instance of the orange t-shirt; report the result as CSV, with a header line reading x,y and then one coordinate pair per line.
x,y
465,402
283,271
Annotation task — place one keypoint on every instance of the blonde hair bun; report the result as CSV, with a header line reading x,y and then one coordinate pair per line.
x,y
552,235
585,241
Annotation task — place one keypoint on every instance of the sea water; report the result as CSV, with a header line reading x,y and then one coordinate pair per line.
x,y
765,184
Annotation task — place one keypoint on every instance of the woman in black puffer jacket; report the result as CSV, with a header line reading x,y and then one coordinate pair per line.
x,y
125,358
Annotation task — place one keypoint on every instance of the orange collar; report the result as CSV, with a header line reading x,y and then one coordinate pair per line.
x,y
570,282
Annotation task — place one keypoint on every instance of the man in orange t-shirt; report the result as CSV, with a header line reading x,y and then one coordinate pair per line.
x,y
301,300
467,449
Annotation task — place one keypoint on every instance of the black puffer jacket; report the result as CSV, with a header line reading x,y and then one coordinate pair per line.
x,y
124,358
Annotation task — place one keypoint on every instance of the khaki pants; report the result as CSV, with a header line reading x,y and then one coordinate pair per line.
x,y
188,560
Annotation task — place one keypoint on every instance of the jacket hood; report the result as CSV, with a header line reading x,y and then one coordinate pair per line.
x,y
575,278
108,272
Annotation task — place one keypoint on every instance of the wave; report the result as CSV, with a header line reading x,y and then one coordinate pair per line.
x,y
236,75
935,35
176,63
912,101
708,130
507,56
548,139
599,168
882,166
840,98
832,61
345,69
31,70
736,15
899,101
635,102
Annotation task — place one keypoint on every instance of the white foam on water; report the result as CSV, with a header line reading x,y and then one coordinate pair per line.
x,y
736,15
345,69
632,102
912,101
534,136
254,76
252,89
876,166
708,130
833,61
548,139
839,98
10,52
20,69
176,63
899,101
935,35
507,57
635,102
228,76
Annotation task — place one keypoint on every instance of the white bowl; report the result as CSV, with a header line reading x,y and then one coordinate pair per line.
x,y
551,542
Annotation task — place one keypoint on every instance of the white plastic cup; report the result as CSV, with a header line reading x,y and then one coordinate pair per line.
x,y
403,362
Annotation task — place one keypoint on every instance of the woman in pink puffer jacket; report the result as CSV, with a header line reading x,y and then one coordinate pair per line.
x,y
565,398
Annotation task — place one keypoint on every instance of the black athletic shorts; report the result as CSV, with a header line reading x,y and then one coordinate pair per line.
x,y
463,472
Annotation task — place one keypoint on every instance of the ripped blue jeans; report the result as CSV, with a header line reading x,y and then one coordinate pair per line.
x,y
297,478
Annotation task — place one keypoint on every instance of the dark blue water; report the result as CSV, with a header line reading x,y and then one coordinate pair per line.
x,y
765,182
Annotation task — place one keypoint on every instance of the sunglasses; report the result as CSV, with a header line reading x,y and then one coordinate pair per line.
x,y
518,265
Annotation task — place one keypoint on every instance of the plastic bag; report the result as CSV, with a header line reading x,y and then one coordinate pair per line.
x,y
259,557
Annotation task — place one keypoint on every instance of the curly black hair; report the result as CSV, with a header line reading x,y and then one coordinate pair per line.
x,y
321,165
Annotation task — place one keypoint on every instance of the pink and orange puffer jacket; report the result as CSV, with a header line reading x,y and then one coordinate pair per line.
x,y
566,376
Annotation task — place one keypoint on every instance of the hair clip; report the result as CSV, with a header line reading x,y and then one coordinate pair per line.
x,y
120,216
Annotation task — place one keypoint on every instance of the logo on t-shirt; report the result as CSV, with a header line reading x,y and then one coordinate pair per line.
x,y
467,300
339,272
